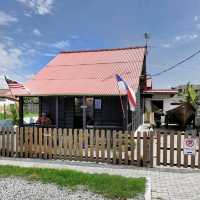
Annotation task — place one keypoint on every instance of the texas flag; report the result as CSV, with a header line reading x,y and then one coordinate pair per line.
x,y
130,93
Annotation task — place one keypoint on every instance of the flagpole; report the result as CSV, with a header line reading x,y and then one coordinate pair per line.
x,y
121,101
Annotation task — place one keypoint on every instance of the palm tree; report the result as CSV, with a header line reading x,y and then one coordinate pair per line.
x,y
190,95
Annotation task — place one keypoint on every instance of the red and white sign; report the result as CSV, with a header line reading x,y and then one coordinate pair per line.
x,y
189,146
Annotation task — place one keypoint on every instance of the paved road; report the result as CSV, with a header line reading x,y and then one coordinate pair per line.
x,y
166,183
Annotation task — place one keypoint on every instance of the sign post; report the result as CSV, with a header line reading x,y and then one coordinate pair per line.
x,y
189,146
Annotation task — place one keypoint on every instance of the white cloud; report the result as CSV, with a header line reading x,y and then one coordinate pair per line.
x,y
50,54
6,19
74,37
14,58
180,37
27,14
196,18
29,76
37,32
192,37
186,37
167,45
10,58
62,44
40,7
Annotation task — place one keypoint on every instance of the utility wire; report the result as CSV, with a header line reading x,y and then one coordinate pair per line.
x,y
177,64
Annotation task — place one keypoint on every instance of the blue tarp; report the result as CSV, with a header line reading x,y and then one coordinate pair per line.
x,y
6,123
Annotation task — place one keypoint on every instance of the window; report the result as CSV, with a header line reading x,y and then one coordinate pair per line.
x,y
31,109
97,104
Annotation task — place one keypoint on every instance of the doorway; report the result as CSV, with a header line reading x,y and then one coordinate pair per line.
x,y
78,111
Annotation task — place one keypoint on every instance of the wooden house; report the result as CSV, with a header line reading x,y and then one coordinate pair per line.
x,y
78,89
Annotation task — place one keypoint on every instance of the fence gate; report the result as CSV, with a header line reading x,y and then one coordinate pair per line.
x,y
110,146
170,149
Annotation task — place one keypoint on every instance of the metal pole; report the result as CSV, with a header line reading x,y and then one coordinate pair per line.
x,y
121,102
132,121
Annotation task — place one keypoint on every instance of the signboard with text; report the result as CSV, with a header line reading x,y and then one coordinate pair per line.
x,y
189,146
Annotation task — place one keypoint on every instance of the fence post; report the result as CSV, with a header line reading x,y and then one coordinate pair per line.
x,y
199,150
108,146
7,142
158,149
186,156
40,142
81,133
31,132
102,145
126,148
120,147
17,142
151,148
114,133
50,143
86,143
145,149
165,148
138,149
172,149
133,145
193,156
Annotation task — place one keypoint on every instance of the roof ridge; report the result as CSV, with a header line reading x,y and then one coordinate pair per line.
x,y
106,49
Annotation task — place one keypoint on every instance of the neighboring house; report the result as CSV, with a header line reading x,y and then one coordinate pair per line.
x,y
5,102
3,86
157,103
78,89
159,99
5,99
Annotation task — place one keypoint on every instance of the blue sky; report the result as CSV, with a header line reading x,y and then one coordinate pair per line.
x,y
33,31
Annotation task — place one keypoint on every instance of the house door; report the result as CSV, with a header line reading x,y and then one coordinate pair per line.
x,y
78,111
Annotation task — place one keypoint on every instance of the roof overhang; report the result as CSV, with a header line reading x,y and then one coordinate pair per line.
x,y
161,91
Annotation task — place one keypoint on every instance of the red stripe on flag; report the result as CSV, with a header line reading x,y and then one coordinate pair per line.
x,y
131,99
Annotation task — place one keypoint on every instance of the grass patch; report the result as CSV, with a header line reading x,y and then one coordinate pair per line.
x,y
6,117
114,187
30,114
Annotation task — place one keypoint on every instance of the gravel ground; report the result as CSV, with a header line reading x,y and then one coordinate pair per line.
x,y
19,189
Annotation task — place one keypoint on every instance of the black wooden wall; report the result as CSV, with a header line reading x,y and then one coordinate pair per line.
x,y
110,113
66,112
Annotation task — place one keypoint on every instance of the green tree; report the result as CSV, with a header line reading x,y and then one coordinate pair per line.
x,y
14,114
190,95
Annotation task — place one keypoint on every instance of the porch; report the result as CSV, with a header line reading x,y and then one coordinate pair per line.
x,y
104,112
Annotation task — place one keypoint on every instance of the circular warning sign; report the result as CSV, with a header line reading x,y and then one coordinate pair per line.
x,y
189,146
189,142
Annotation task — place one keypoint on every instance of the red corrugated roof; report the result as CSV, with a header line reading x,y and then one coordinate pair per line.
x,y
88,72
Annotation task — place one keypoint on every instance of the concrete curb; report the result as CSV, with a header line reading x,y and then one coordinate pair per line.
x,y
147,195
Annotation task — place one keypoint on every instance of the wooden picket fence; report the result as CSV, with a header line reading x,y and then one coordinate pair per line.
x,y
110,146
170,149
